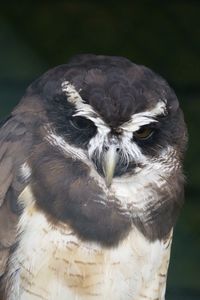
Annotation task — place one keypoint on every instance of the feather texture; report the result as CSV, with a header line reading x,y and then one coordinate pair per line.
x,y
66,234
55,264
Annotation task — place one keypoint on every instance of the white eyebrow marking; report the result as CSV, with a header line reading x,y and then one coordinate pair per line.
x,y
144,118
74,97
83,109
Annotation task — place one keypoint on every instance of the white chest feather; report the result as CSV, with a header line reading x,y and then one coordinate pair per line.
x,y
54,264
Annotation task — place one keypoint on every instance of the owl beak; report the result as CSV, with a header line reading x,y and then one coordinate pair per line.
x,y
111,157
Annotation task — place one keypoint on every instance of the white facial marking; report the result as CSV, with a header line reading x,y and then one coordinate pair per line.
x,y
74,153
70,151
83,109
97,142
144,118
137,191
131,150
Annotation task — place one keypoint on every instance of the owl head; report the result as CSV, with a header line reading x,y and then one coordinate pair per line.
x,y
109,140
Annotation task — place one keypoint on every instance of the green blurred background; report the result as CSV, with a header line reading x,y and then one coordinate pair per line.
x,y
163,35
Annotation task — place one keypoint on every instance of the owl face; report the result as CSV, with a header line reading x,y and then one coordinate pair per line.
x,y
122,133
121,120
117,149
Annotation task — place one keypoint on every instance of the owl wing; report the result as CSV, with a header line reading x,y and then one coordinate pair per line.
x,y
14,145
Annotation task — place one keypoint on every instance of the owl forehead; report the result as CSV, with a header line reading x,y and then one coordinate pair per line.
x,y
115,104
115,91
116,94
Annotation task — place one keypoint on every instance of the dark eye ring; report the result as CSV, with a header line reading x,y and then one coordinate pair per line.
x,y
81,123
144,133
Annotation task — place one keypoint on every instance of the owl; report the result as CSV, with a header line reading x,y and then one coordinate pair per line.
x,y
91,183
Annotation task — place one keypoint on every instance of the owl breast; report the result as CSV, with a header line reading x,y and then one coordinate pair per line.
x,y
54,264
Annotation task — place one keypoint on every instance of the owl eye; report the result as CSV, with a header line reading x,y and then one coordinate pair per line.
x,y
144,133
81,123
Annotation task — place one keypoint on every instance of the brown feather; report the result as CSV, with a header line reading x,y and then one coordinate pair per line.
x,y
13,152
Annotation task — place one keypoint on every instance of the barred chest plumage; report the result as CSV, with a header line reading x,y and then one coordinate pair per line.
x,y
52,263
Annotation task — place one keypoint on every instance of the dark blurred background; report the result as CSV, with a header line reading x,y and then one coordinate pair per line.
x,y
163,35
